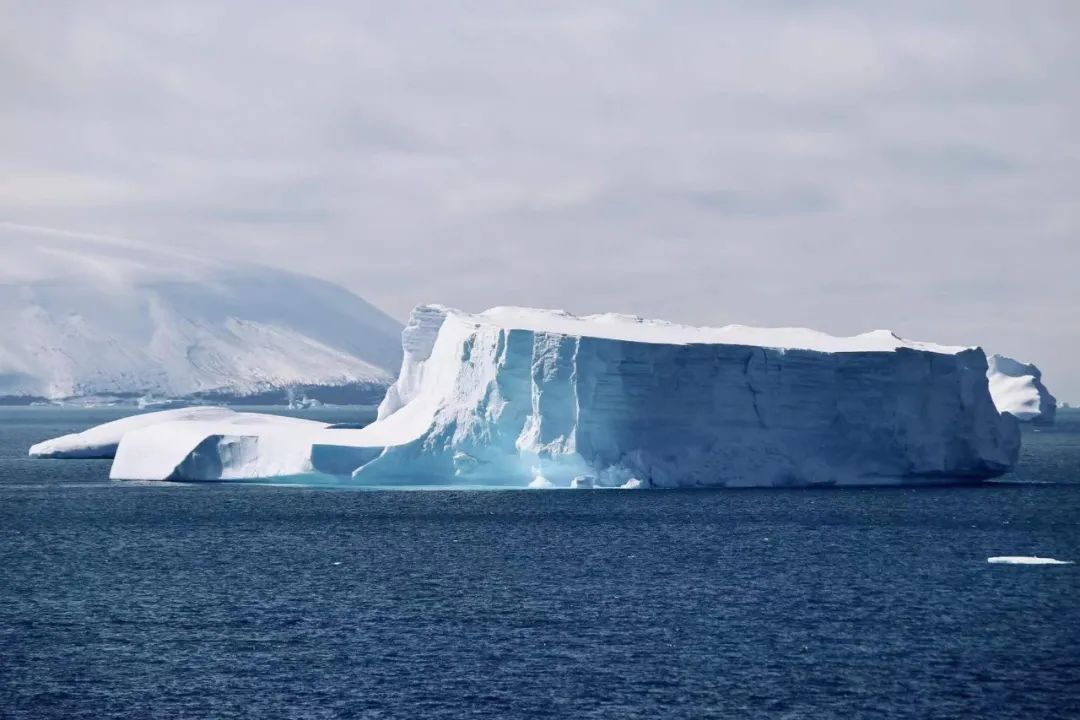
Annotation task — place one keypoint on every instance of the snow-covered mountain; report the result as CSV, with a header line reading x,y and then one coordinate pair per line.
x,y
87,316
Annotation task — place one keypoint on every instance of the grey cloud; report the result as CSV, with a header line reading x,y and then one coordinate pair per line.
x,y
780,201
836,164
950,160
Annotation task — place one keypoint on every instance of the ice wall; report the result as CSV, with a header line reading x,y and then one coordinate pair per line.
x,y
499,398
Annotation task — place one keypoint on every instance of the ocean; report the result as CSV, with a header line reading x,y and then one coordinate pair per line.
x,y
156,600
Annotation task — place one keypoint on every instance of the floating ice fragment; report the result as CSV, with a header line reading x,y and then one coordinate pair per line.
x,y
540,483
583,482
1025,560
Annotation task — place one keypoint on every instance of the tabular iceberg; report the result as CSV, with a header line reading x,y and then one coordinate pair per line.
x,y
1017,388
511,395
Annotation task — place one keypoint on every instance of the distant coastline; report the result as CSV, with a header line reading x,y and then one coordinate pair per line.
x,y
360,393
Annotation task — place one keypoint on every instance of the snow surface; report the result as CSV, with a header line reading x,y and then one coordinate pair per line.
x,y
92,316
1025,560
227,446
1017,388
613,326
511,394
101,441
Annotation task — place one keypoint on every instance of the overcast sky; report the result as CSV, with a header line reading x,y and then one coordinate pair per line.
x,y
844,166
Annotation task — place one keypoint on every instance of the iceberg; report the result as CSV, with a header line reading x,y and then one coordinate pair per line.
x,y
1017,389
507,396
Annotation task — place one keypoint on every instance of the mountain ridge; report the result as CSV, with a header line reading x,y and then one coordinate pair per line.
x,y
89,316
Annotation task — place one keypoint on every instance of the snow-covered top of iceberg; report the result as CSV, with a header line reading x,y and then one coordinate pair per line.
x,y
101,441
615,326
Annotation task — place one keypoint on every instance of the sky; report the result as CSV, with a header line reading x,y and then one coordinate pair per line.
x,y
842,166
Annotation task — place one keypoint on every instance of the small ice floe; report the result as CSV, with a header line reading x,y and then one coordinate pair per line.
x,y
582,482
540,483
1025,560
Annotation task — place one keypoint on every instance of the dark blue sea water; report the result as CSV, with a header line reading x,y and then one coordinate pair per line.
x,y
123,600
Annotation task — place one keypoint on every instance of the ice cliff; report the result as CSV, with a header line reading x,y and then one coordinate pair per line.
x,y
1017,388
513,397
